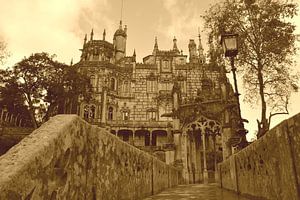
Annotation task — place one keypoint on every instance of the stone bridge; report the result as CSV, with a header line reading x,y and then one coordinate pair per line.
x,y
68,158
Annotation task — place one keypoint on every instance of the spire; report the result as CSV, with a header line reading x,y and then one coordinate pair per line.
x,y
71,62
200,48
175,44
92,34
85,39
155,45
134,54
120,26
104,34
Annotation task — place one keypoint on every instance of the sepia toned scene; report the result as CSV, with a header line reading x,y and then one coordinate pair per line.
x,y
146,100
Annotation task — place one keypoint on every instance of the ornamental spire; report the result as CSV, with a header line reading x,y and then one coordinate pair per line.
x,y
85,39
92,34
200,48
104,34
155,46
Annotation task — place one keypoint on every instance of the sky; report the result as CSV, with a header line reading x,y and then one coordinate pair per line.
x,y
58,27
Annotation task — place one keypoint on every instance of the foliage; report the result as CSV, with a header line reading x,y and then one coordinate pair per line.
x,y
3,52
43,84
266,50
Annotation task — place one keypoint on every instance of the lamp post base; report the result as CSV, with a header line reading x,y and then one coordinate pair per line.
x,y
205,176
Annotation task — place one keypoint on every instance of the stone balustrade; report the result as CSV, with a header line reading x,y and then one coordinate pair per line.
x,y
269,168
67,158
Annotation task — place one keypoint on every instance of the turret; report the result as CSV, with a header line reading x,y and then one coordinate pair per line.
x,y
120,37
193,52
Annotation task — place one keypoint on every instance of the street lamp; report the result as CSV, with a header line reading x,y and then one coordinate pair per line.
x,y
230,46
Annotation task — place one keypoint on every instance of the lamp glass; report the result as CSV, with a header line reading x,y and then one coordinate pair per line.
x,y
230,43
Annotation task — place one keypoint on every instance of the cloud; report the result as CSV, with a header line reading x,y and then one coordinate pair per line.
x,y
183,22
55,26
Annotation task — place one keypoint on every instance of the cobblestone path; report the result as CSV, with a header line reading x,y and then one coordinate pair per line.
x,y
196,192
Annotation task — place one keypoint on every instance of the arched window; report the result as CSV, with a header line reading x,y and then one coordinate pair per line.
x,y
89,112
112,84
92,111
86,112
110,113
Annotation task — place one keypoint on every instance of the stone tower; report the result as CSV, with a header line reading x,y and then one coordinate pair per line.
x,y
119,42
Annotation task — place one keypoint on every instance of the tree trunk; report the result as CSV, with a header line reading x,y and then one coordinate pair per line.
x,y
31,112
263,124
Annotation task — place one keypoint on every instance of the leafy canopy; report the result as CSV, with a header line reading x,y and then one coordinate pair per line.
x,y
266,49
43,84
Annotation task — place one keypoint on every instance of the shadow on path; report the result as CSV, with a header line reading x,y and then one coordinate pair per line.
x,y
196,192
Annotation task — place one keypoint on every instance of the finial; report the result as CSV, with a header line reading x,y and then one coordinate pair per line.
x,y
174,44
92,34
134,54
120,27
155,44
85,39
104,34
71,62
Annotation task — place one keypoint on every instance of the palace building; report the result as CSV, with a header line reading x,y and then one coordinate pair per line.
x,y
170,105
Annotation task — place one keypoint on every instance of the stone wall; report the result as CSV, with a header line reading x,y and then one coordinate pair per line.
x,y
270,167
67,158
10,136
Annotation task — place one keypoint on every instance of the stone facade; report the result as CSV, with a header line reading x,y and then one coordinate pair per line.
x,y
147,104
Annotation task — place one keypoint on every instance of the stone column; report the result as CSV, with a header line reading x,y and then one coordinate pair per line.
x,y
205,173
195,170
199,176
103,111
177,142
185,172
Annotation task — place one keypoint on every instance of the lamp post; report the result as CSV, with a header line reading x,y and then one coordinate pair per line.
x,y
230,46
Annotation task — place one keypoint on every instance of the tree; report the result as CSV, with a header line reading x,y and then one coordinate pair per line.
x,y
266,50
43,83
3,52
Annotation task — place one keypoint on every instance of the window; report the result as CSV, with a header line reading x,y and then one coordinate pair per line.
x,y
89,112
93,81
126,87
125,115
112,84
182,85
86,112
151,115
166,67
151,86
110,113
92,112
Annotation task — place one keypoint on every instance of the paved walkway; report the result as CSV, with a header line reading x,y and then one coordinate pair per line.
x,y
196,192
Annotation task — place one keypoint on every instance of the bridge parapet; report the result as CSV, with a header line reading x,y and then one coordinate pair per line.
x,y
68,158
269,168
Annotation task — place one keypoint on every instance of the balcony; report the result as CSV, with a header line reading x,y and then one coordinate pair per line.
x,y
139,124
